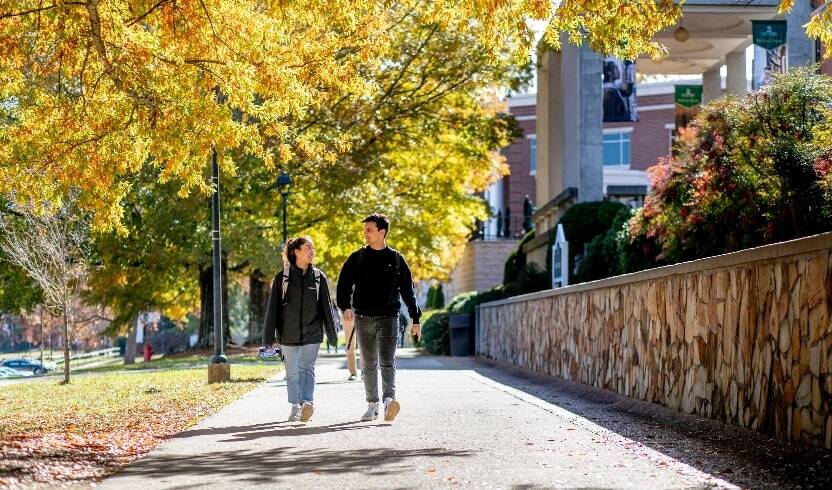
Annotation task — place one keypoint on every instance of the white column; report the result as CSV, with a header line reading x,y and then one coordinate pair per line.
x,y
758,63
736,83
570,114
549,126
800,49
590,138
711,84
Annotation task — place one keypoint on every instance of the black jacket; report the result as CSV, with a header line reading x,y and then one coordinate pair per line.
x,y
371,282
302,316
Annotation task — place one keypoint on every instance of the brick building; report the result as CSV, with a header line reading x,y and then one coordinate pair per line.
x,y
629,149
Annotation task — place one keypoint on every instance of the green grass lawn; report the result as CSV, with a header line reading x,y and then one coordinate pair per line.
x,y
81,432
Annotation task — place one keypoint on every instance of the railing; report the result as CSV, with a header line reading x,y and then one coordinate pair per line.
x,y
111,352
502,227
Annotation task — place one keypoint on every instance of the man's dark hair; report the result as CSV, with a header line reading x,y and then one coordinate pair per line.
x,y
381,221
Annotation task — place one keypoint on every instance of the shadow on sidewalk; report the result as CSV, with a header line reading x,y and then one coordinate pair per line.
x,y
259,467
297,430
739,456
277,429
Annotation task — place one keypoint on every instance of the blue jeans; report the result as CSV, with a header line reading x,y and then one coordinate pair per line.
x,y
300,371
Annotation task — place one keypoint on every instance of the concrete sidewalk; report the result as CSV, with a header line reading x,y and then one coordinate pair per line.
x,y
463,423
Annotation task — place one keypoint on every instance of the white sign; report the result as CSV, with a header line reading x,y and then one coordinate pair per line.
x,y
560,259
139,332
143,321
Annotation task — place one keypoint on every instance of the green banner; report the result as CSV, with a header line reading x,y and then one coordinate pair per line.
x,y
769,34
688,95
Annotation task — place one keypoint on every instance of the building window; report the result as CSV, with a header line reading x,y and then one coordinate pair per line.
x,y
617,148
533,154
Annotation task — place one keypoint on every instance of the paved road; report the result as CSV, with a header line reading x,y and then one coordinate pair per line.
x,y
463,423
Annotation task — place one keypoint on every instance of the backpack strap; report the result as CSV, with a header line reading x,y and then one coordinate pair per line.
x,y
285,281
398,266
315,271
396,272
360,260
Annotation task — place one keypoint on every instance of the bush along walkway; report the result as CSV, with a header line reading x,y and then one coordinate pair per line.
x,y
462,422
53,434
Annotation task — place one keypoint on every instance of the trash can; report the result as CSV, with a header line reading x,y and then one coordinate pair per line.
x,y
460,333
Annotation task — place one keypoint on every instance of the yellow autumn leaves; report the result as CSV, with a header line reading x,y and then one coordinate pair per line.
x,y
91,91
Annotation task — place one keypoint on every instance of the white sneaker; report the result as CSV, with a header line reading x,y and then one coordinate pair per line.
x,y
371,413
294,415
391,409
306,411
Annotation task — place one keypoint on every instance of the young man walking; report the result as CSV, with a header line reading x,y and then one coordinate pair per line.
x,y
368,291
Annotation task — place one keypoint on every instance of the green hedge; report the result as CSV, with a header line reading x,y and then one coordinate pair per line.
x,y
517,260
583,223
435,333
751,170
603,256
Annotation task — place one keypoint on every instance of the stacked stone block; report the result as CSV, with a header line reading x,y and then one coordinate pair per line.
x,y
744,338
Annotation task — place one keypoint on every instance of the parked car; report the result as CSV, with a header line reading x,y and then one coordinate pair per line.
x,y
29,365
9,373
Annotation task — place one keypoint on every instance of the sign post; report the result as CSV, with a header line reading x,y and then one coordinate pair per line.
x,y
560,259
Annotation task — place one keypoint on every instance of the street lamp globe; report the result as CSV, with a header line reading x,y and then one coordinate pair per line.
x,y
283,182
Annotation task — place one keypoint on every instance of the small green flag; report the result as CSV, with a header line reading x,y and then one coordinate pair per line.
x,y
769,34
688,95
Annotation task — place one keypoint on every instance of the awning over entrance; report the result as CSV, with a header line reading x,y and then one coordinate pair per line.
x,y
714,28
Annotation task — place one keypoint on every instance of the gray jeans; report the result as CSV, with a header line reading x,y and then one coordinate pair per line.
x,y
377,336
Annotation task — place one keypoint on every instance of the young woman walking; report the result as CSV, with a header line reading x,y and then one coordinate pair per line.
x,y
298,312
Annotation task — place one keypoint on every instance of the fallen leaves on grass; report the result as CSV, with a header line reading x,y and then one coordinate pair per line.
x,y
86,430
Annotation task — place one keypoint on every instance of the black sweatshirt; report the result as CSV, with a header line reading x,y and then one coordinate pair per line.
x,y
302,316
368,284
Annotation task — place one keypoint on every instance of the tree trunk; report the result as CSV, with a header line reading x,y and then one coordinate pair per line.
x,y
258,298
206,307
206,310
130,347
66,347
42,372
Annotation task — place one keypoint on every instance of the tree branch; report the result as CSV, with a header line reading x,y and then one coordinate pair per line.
x,y
142,17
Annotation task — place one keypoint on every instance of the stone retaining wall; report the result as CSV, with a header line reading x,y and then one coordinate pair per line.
x,y
744,338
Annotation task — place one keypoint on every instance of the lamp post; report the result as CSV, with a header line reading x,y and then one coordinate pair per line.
x,y
218,369
283,183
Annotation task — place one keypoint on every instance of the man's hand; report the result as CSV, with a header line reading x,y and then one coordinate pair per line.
x,y
417,330
348,316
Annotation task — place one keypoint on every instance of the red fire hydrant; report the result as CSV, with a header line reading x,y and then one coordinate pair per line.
x,y
148,351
